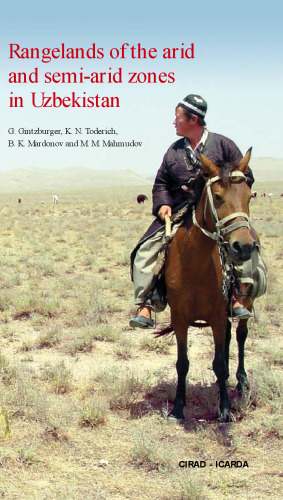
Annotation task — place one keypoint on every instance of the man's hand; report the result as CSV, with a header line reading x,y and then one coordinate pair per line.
x,y
164,210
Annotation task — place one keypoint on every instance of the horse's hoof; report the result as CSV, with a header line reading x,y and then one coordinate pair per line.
x,y
176,416
172,420
224,417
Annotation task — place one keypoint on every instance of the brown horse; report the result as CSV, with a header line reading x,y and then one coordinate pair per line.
x,y
197,287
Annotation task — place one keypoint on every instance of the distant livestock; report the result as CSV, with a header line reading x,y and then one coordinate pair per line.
x,y
262,195
281,194
270,195
19,200
254,194
55,198
141,198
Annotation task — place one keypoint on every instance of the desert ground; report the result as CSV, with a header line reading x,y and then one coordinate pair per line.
x,y
84,398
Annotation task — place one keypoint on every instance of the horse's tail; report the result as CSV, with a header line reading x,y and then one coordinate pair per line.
x,y
165,331
169,329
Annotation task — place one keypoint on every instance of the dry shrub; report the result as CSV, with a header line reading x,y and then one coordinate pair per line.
x,y
78,341
7,372
48,339
266,389
147,454
59,378
124,348
104,332
122,389
158,345
93,413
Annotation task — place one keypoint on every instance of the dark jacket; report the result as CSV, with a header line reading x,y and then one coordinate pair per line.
x,y
177,170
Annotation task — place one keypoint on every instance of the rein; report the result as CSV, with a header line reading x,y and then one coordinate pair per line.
x,y
220,231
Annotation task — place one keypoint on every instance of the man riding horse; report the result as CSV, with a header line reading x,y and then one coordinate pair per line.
x,y
179,183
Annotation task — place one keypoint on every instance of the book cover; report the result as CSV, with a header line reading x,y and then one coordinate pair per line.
x,y
88,98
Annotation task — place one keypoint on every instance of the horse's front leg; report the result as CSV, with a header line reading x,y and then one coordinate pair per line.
x,y
227,344
220,368
182,367
241,333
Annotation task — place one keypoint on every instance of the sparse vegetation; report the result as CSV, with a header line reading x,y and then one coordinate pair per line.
x,y
93,413
83,397
59,378
159,345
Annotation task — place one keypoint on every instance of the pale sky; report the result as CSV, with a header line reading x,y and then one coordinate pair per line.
x,y
237,68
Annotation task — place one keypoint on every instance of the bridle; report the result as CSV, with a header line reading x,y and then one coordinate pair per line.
x,y
221,230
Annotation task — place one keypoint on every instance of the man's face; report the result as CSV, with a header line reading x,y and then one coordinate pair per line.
x,y
183,125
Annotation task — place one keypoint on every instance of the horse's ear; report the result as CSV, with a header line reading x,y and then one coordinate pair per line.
x,y
208,166
244,163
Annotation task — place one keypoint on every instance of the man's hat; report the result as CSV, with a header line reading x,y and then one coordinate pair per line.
x,y
195,104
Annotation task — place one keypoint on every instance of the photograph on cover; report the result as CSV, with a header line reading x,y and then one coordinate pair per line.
x,y
141,211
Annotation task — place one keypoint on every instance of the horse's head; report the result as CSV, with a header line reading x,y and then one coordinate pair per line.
x,y
227,207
